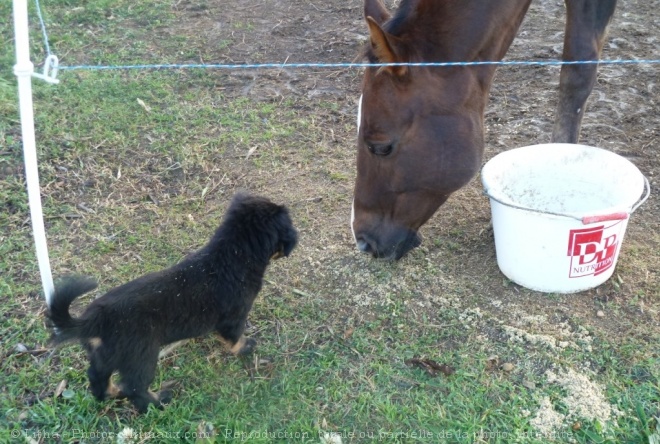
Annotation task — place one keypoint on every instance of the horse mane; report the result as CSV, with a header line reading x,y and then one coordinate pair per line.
x,y
396,25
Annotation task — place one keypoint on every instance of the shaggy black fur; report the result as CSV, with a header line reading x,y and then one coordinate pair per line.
x,y
210,290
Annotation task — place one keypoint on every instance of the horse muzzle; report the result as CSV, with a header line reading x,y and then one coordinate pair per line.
x,y
393,248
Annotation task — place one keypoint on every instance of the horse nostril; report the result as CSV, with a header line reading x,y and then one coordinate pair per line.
x,y
363,245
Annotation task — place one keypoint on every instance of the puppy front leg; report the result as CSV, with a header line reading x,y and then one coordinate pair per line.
x,y
231,335
239,347
244,346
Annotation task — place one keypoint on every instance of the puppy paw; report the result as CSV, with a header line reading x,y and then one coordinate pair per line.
x,y
248,347
165,397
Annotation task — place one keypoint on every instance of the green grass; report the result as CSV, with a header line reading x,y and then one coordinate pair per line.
x,y
136,169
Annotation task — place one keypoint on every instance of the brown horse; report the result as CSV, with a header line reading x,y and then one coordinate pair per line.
x,y
421,129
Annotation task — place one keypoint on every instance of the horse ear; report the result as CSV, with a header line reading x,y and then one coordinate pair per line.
x,y
376,9
384,48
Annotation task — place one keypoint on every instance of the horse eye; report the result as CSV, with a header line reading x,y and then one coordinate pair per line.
x,y
380,149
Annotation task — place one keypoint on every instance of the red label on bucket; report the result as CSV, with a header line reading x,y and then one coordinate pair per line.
x,y
592,250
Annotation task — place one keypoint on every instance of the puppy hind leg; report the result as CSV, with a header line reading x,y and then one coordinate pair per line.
x,y
141,400
99,373
137,374
114,392
99,381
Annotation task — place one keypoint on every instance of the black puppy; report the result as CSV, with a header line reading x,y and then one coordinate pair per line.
x,y
210,290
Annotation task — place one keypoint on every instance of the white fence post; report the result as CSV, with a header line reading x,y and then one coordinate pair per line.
x,y
23,70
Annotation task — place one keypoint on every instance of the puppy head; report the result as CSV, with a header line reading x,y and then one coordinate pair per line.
x,y
272,222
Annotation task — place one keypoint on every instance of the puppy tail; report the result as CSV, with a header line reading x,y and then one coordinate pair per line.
x,y
67,289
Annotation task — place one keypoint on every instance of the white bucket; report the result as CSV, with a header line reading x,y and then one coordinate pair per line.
x,y
560,212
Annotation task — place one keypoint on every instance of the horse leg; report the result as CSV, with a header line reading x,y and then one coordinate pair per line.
x,y
583,40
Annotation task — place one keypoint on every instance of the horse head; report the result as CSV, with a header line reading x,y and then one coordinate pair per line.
x,y
420,132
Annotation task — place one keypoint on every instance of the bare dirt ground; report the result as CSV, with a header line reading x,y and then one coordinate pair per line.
x,y
457,260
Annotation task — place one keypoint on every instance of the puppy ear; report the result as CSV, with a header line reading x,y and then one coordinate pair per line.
x,y
290,242
239,197
288,236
